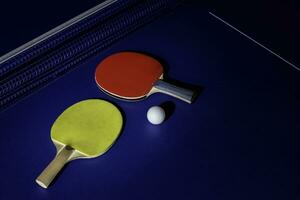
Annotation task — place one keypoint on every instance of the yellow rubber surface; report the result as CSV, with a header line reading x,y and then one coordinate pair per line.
x,y
90,127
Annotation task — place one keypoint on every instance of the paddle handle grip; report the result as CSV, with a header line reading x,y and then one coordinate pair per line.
x,y
49,173
181,93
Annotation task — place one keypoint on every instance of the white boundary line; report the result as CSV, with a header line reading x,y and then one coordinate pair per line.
x,y
259,44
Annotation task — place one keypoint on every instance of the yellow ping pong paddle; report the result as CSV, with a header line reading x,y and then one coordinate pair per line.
x,y
85,130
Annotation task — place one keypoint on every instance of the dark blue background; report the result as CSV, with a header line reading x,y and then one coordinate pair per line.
x,y
239,140
22,21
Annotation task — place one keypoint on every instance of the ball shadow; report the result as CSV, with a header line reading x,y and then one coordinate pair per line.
x,y
169,108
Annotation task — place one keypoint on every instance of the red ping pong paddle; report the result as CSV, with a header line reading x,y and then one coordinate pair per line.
x,y
134,76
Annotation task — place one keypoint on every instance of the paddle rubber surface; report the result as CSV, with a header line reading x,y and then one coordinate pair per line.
x,y
128,75
90,127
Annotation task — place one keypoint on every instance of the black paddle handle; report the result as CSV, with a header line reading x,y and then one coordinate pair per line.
x,y
181,93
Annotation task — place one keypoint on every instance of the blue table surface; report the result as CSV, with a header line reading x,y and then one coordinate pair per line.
x,y
239,140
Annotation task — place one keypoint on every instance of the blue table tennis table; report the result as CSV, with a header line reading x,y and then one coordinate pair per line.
x,y
238,140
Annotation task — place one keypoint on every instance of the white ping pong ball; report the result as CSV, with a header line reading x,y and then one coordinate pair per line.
x,y
156,115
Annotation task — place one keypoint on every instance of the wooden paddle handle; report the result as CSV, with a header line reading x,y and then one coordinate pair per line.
x,y
47,176
175,91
